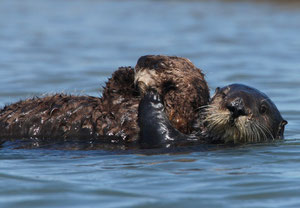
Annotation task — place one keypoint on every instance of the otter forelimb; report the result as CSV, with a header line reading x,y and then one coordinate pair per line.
x,y
156,131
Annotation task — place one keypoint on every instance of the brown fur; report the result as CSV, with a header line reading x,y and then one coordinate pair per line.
x,y
182,85
65,117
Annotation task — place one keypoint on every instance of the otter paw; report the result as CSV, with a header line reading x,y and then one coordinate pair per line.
x,y
153,96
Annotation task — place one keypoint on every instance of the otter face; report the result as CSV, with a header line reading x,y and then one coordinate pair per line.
x,y
144,78
179,82
158,72
241,114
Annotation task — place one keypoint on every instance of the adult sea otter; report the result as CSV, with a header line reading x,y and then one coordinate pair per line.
x,y
236,114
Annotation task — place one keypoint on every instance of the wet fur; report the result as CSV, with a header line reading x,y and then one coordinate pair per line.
x,y
113,117
181,84
65,117
217,124
155,128
243,130
254,126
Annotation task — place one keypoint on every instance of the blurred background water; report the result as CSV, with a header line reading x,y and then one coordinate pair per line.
x,y
73,47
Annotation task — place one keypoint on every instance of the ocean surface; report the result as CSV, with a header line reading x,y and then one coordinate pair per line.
x,y
73,46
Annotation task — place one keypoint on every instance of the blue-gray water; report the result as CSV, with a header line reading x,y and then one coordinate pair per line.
x,y
73,46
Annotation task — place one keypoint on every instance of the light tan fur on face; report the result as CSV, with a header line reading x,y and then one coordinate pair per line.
x,y
144,78
181,84
243,129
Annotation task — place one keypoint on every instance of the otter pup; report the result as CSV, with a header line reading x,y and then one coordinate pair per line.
x,y
113,117
236,114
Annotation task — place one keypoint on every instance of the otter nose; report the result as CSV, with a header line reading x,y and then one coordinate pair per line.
x,y
236,107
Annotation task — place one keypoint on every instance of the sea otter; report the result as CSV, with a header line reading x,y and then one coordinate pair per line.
x,y
111,118
236,114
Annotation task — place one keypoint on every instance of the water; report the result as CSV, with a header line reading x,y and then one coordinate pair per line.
x,y
74,46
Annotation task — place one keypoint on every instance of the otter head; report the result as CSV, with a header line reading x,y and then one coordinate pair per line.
x,y
238,114
181,84
162,73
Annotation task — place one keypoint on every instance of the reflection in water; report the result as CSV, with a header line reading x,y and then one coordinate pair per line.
x,y
74,46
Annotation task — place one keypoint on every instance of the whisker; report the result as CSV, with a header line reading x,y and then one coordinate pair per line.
x,y
218,125
203,107
265,129
261,130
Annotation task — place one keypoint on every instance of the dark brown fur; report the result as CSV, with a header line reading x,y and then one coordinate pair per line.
x,y
241,114
236,114
181,84
65,117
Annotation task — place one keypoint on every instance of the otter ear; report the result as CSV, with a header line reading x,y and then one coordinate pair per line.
x,y
283,123
280,133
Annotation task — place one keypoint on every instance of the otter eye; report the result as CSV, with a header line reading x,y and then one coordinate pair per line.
x,y
218,91
263,108
168,86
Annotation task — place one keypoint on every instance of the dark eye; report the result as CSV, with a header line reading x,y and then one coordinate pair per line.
x,y
220,92
168,86
263,108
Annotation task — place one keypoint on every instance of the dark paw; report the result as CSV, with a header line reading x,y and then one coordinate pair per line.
x,y
153,96
150,106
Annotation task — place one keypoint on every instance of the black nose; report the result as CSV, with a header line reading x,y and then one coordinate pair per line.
x,y
236,107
